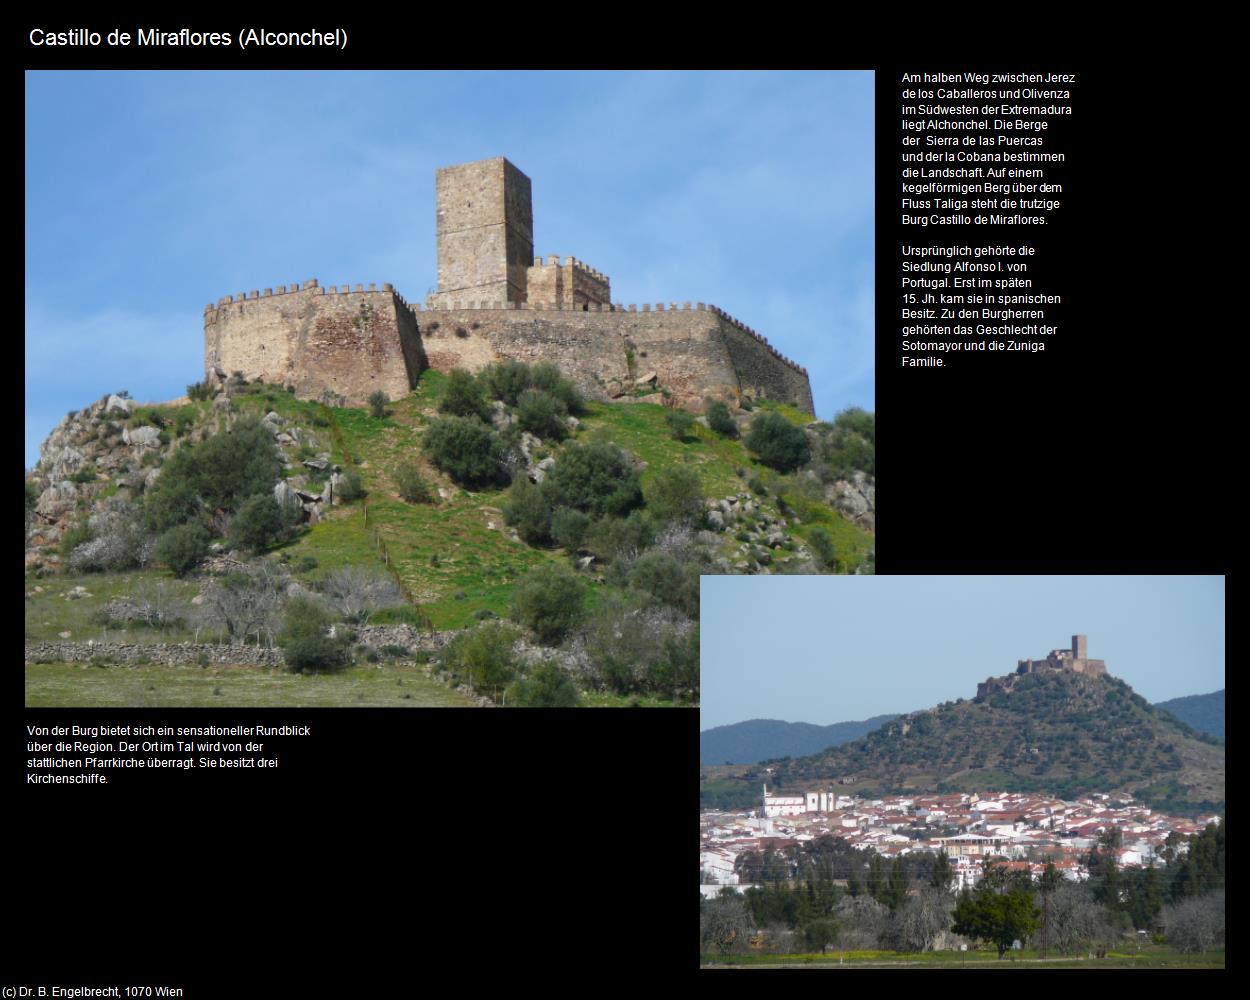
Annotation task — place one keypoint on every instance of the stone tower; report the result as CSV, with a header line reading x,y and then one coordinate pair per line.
x,y
1078,647
485,229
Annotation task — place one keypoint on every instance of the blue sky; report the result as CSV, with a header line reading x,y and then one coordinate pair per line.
x,y
151,194
824,649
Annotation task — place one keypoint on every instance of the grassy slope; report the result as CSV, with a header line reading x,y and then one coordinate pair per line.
x,y
86,686
477,561
1149,956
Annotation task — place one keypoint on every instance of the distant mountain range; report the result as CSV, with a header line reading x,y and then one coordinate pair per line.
x,y
1203,712
766,739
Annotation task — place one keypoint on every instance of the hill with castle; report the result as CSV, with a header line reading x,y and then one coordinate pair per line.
x,y
518,443
495,301
1062,725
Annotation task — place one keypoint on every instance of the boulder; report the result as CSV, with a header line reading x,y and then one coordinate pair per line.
x,y
716,520
499,416
115,404
539,471
56,500
146,436
648,379
529,444
62,462
287,498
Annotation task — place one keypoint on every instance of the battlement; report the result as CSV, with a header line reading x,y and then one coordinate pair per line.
x,y
616,307
313,286
573,262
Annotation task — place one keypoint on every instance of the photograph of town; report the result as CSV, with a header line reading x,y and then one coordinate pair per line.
x,y
434,389
943,772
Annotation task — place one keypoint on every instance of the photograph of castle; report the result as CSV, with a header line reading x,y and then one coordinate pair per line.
x,y
409,454
868,800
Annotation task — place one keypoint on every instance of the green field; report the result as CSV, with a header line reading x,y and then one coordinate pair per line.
x,y
1149,956
81,685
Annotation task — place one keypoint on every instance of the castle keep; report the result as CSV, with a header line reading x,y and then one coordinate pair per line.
x,y
1073,659
496,300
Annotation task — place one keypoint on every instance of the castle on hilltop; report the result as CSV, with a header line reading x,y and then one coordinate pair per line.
x,y
495,301
1073,659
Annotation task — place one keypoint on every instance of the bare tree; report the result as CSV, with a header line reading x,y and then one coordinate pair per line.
x,y
724,924
922,923
246,602
1196,924
865,922
357,592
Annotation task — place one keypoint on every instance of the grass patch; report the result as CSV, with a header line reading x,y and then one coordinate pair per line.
x,y
81,685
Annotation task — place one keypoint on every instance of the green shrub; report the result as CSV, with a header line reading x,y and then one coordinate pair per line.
x,y
466,449
679,423
304,641
676,672
463,396
378,401
550,600
411,484
610,537
547,687
75,535
720,421
219,473
528,511
822,548
542,415
675,494
200,391
597,478
351,486
756,486
84,475
667,581
505,381
778,443
546,376
569,527
395,651
182,547
259,523
483,657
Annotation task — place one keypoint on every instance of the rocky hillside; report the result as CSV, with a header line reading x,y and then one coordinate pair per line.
x,y
100,460
1061,733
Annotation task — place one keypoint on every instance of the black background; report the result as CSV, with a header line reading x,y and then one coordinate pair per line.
x,y
504,848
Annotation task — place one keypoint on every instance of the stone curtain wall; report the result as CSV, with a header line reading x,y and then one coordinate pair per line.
x,y
763,369
695,352
333,339
572,284
353,342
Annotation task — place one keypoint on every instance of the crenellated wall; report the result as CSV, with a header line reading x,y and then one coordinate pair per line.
x,y
325,341
573,284
695,352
